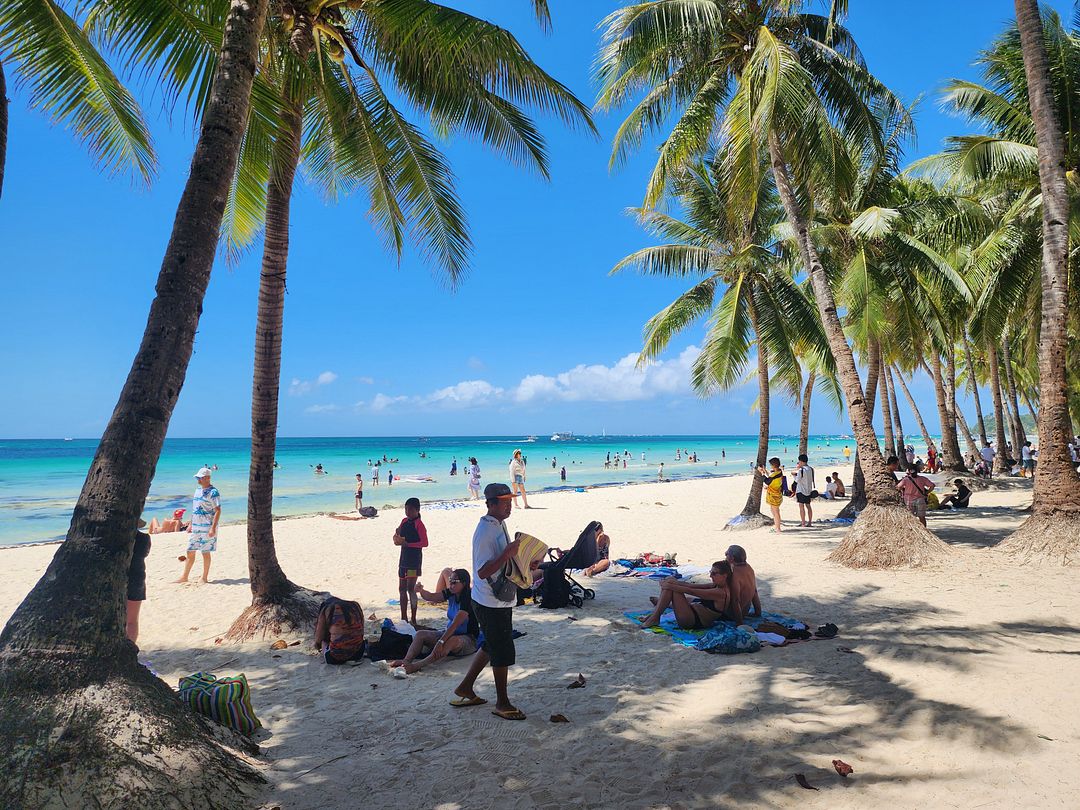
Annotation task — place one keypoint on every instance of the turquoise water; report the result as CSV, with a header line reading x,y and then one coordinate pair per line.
x,y
40,479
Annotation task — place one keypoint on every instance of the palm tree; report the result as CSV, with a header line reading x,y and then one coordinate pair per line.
x,y
71,681
744,289
469,76
71,82
1029,105
761,76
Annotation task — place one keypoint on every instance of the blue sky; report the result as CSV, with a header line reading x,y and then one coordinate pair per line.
x,y
537,338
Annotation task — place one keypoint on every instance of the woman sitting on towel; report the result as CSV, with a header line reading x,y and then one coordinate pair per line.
x,y
709,605
460,636
339,631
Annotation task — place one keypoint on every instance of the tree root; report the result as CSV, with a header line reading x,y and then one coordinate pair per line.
x,y
1050,535
745,523
888,536
293,614
102,732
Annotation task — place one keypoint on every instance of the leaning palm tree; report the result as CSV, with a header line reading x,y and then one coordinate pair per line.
x,y
74,691
469,76
760,76
744,289
70,81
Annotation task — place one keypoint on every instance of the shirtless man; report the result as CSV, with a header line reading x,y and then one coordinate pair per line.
x,y
743,585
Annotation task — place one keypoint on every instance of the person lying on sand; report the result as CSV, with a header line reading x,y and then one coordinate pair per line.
x,y
339,631
710,602
744,593
459,637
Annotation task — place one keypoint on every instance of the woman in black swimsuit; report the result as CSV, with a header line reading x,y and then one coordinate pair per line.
x,y
698,613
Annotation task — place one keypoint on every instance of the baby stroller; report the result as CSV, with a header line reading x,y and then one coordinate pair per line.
x,y
558,589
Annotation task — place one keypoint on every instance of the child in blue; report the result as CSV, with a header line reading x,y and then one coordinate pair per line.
x,y
411,535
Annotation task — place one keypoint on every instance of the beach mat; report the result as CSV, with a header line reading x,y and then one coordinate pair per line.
x,y
723,637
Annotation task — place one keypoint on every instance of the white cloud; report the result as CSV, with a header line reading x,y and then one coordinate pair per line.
x,y
298,387
622,381
321,408
366,380
476,363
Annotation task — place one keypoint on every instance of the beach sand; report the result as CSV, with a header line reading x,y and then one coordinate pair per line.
x,y
949,687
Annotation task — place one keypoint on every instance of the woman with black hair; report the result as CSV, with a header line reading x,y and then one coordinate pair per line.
x,y
459,639
339,631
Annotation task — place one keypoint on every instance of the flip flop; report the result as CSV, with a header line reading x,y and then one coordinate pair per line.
x,y
512,714
462,702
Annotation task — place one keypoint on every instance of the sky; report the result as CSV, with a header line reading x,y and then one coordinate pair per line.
x,y
537,338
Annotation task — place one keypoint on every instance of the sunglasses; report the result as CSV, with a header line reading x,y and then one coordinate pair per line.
x,y
453,582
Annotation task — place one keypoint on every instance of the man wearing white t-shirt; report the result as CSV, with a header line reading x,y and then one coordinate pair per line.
x,y
804,489
492,547
988,454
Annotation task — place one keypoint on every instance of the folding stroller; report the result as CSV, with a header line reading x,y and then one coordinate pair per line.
x,y
558,589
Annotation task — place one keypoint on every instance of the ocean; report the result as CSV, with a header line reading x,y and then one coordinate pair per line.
x,y
40,480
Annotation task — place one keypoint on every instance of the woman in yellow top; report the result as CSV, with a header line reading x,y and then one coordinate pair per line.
x,y
774,488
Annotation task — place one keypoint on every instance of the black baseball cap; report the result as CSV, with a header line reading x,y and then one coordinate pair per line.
x,y
493,492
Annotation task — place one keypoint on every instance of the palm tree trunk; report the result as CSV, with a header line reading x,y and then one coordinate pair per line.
x,y
1001,464
68,674
951,459
974,385
914,409
1019,434
885,535
956,417
751,516
886,411
857,503
804,424
3,127
1031,411
278,605
1054,527
900,442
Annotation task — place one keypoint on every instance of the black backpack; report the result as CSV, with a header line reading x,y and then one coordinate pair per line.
x,y
369,511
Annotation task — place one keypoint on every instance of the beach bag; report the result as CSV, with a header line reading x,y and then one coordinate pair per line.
x,y
502,587
369,511
727,640
224,700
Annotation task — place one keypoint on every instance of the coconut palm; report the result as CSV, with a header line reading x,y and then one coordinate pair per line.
x,y
742,287
1030,107
469,76
69,676
69,81
763,76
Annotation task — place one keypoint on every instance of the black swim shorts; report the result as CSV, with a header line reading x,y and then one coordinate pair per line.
x,y
498,627
802,498
409,562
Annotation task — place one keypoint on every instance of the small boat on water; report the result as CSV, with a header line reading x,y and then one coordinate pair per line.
x,y
562,437
530,438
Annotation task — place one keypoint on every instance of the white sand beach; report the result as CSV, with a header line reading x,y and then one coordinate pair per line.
x,y
949,687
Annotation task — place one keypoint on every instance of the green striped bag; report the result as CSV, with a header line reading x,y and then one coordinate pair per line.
x,y
224,700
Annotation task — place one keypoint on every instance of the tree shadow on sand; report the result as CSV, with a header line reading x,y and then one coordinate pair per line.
x,y
657,725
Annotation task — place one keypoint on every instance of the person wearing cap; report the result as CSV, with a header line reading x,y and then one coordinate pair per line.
x,y
136,581
205,514
492,548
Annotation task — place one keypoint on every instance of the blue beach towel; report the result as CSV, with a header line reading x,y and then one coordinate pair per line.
x,y
723,637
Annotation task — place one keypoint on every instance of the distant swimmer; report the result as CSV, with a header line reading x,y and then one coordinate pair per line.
x,y
319,469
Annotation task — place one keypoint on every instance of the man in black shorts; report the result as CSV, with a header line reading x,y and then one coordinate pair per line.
x,y
492,548
411,535
804,490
